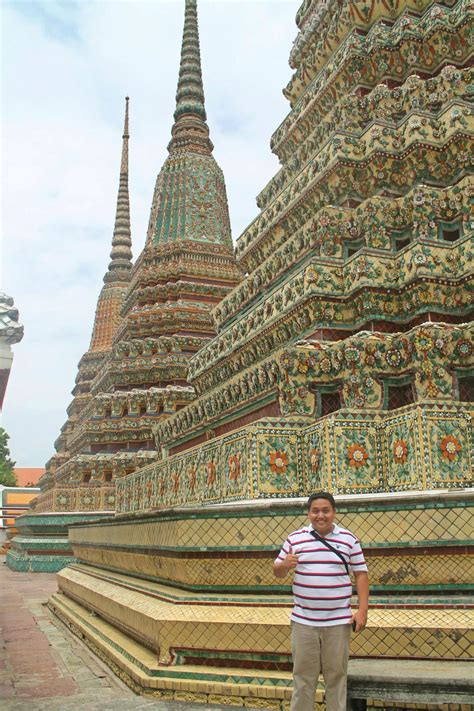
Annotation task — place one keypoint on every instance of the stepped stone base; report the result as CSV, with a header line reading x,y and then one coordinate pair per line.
x,y
260,680
41,544
27,562
140,669
182,603
251,629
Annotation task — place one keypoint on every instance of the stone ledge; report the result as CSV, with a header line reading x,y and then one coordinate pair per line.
x,y
394,680
25,562
138,667
412,681
175,631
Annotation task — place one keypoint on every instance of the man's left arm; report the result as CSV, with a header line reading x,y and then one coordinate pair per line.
x,y
362,587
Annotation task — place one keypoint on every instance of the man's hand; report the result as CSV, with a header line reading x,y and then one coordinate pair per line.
x,y
283,567
291,560
360,619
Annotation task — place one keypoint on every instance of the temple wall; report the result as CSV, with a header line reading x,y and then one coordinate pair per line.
x,y
413,541
352,324
346,453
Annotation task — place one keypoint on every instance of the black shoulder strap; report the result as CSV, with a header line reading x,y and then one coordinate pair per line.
x,y
331,548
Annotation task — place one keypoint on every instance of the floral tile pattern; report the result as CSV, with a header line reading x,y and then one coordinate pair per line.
x,y
421,447
277,463
449,446
402,452
358,461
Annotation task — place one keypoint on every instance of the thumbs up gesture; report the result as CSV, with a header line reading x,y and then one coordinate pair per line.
x,y
291,560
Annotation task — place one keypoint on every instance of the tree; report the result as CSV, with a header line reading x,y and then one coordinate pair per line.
x,y
7,475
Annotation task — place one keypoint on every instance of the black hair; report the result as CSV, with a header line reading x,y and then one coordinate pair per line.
x,y
322,495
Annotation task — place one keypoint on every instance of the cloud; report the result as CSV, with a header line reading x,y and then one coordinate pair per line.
x,y
67,67
58,19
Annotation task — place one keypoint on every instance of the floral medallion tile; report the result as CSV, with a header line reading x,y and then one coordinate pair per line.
x,y
357,453
278,463
449,446
401,444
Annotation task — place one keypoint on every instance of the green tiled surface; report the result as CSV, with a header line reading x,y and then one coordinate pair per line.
x,y
38,534
25,543
37,563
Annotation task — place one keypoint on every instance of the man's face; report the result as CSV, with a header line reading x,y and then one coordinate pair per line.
x,y
321,516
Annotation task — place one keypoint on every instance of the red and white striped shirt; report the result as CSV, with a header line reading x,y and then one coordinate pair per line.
x,y
321,587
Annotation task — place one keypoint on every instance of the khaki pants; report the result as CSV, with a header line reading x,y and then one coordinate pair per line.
x,y
316,650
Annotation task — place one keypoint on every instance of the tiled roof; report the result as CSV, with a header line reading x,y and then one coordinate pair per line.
x,y
28,475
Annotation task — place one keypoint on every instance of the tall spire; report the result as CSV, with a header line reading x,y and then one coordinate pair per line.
x,y
190,130
190,201
121,255
117,276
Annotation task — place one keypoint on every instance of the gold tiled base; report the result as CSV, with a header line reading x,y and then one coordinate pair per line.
x,y
388,520
409,540
247,571
168,628
421,570
184,604
137,666
214,627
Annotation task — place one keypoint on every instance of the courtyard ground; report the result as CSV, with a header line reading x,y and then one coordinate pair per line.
x,y
44,666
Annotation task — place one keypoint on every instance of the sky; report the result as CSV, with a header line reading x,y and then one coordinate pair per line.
x,y
66,67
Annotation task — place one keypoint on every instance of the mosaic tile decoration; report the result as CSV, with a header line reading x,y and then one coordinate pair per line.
x,y
52,523
147,328
40,562
347,453
41,544
362,247
356,363
139,667
384,599
248,573
382,520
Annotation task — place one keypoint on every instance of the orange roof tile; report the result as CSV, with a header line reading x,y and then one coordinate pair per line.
x,y
28,475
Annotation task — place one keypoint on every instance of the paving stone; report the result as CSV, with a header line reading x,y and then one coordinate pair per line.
x,y
45,668
6,690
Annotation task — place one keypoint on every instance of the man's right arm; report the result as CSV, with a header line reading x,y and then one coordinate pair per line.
x,y
281,568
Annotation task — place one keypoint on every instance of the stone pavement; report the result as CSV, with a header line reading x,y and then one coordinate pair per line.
x,y
44,666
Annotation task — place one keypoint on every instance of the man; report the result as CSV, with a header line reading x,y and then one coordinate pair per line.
x,y
321,555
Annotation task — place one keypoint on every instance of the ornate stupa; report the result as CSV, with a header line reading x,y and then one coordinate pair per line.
x,y
106,321
344,361
149,321
41,544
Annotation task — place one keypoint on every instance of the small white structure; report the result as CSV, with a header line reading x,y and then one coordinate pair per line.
x,y
11,331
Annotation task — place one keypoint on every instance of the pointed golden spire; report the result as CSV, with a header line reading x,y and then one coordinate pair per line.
x,y
121,255
190,130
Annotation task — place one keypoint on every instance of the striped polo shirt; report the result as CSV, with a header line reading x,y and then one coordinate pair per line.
x,y
321,587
